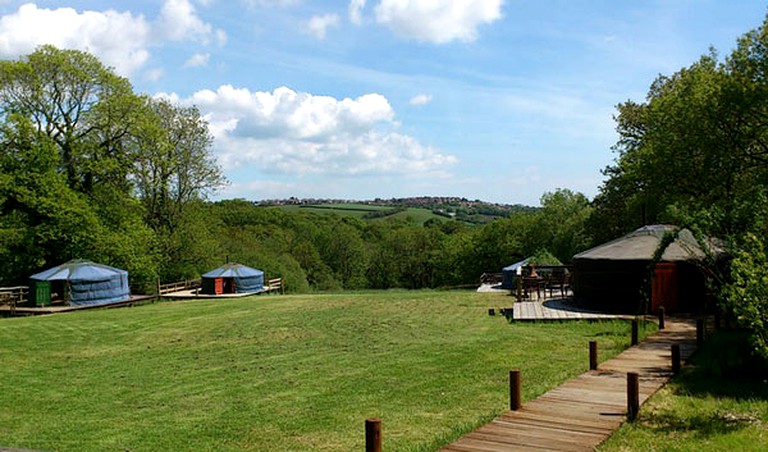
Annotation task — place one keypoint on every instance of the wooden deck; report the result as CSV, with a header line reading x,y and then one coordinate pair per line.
x,y
558,309
584,411
19,311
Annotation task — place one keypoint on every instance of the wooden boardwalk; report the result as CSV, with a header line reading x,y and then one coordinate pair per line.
x,y
584,411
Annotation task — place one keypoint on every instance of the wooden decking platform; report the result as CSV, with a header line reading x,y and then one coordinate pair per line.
x,y
55,309
563,308
584,411
195,294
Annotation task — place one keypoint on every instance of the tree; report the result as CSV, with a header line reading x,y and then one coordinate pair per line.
x,y
173,163
83,107
695,153
561,224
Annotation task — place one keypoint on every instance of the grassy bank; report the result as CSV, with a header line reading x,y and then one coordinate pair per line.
x,y
277,373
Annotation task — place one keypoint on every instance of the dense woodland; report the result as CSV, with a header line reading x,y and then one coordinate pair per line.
x,y
91,169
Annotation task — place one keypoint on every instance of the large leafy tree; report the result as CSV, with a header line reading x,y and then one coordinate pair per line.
x,y
83,107
561,225
695,153
174,164
90,169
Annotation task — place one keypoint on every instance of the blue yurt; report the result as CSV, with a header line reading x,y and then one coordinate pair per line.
x,y
232,278
509,273
80,283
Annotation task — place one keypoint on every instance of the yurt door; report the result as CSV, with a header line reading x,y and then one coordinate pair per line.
x,y
665,287
41,293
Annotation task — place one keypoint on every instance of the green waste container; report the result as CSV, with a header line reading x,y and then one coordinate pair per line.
x,y
40,293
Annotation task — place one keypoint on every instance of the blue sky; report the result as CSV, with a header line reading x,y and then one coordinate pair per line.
x,y
498,100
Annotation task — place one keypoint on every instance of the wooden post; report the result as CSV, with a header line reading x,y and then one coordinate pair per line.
x,y
675,359
634,332
661,317
700,331
514,390
633,395
373,435
592,355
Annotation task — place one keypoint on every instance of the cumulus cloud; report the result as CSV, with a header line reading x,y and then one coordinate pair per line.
x,y
438,21
356,11
300,133
120,39
198,59
317,25
420,99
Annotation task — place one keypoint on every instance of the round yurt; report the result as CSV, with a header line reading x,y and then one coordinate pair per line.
x,y
509,273
623,275
232,278
80,283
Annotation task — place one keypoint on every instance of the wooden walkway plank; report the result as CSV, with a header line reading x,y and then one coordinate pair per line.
x,y
582,412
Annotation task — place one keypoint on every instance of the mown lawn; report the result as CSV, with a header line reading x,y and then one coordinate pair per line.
x,y
718,403
278,373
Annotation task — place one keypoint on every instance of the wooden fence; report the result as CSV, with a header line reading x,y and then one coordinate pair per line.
x,y
14,296
275,285
163,289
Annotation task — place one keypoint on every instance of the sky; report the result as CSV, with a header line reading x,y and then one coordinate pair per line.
x,y
497,100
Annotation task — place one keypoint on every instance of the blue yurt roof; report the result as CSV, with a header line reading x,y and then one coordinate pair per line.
x,y
78,270
233,270
516,265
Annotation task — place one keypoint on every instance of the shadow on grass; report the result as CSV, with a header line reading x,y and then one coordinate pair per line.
x,y
724,366
703,424
716,392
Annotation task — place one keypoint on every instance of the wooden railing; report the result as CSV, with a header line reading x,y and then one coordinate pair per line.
x,y
163,289
14,296
491,278
275,285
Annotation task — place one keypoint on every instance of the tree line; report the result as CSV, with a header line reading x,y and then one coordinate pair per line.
x,y
91,169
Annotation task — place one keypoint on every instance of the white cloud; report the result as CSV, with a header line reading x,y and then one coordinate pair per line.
x,y
300,133
438,21
421,99
178,21
317,25
356,11
269,3
154,74
120,39
198,59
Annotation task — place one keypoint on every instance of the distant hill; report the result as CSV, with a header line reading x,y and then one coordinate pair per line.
x,y
421,208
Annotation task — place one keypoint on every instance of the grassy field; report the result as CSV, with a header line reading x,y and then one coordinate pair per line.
x,y
717,403
361,210
278,373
